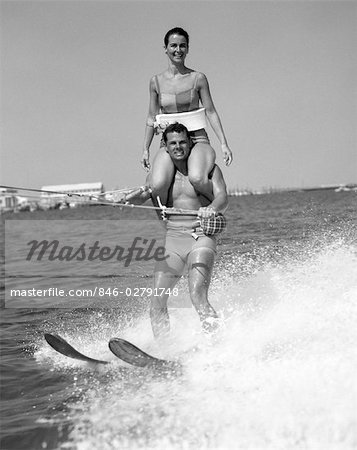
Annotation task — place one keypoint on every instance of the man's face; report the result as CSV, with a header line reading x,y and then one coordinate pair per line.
x,y
178,145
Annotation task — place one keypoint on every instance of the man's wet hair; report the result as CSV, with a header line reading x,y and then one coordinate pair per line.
x,y
174,128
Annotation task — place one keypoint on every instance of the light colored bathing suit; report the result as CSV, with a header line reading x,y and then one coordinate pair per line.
x,y
184,101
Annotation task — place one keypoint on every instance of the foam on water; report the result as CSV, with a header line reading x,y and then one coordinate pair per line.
x,y
280,374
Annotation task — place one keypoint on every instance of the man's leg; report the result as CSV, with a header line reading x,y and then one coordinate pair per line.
x,y
199,276
167,273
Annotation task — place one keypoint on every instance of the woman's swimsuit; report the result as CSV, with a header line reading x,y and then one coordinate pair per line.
x,y
184,101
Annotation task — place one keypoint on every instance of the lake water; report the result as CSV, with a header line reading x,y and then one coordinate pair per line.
x,y
280,374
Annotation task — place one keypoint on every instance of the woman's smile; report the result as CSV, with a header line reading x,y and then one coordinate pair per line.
x,y
177,47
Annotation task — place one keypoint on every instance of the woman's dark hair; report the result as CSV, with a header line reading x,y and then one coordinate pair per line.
x,y
176,30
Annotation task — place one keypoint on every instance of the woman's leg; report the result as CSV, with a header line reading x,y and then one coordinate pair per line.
x,y
200,164
162,175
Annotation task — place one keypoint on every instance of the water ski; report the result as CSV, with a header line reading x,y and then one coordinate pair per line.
x,y
131,354
63,347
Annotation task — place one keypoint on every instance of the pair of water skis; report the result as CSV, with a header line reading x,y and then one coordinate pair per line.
x,y
121,348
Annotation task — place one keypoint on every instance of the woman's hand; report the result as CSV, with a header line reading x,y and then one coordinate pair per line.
x,y
227,155
145,160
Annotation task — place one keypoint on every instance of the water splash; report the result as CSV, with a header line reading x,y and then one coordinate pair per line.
x,y
279,375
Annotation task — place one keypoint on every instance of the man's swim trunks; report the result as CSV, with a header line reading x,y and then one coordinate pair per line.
x,y
182,239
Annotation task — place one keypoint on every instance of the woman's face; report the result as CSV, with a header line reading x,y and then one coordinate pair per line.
x,y
177,48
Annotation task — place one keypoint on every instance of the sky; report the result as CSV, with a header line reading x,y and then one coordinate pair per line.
x,y
75,77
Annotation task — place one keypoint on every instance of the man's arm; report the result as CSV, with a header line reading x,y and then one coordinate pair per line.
x,y
141,195
220,197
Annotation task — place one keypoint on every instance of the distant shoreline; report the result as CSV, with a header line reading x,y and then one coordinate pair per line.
x,y
236,192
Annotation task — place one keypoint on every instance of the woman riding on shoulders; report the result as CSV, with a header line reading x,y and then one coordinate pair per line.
x,y
178,93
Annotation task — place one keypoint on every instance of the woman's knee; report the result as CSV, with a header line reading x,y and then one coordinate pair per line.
x,y
200,163
160,182
198,174
198,181
197,178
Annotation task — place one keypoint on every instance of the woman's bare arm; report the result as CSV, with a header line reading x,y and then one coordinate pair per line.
x,y
213,117
149,129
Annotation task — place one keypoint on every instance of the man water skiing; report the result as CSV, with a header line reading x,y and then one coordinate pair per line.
x,y
189,243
